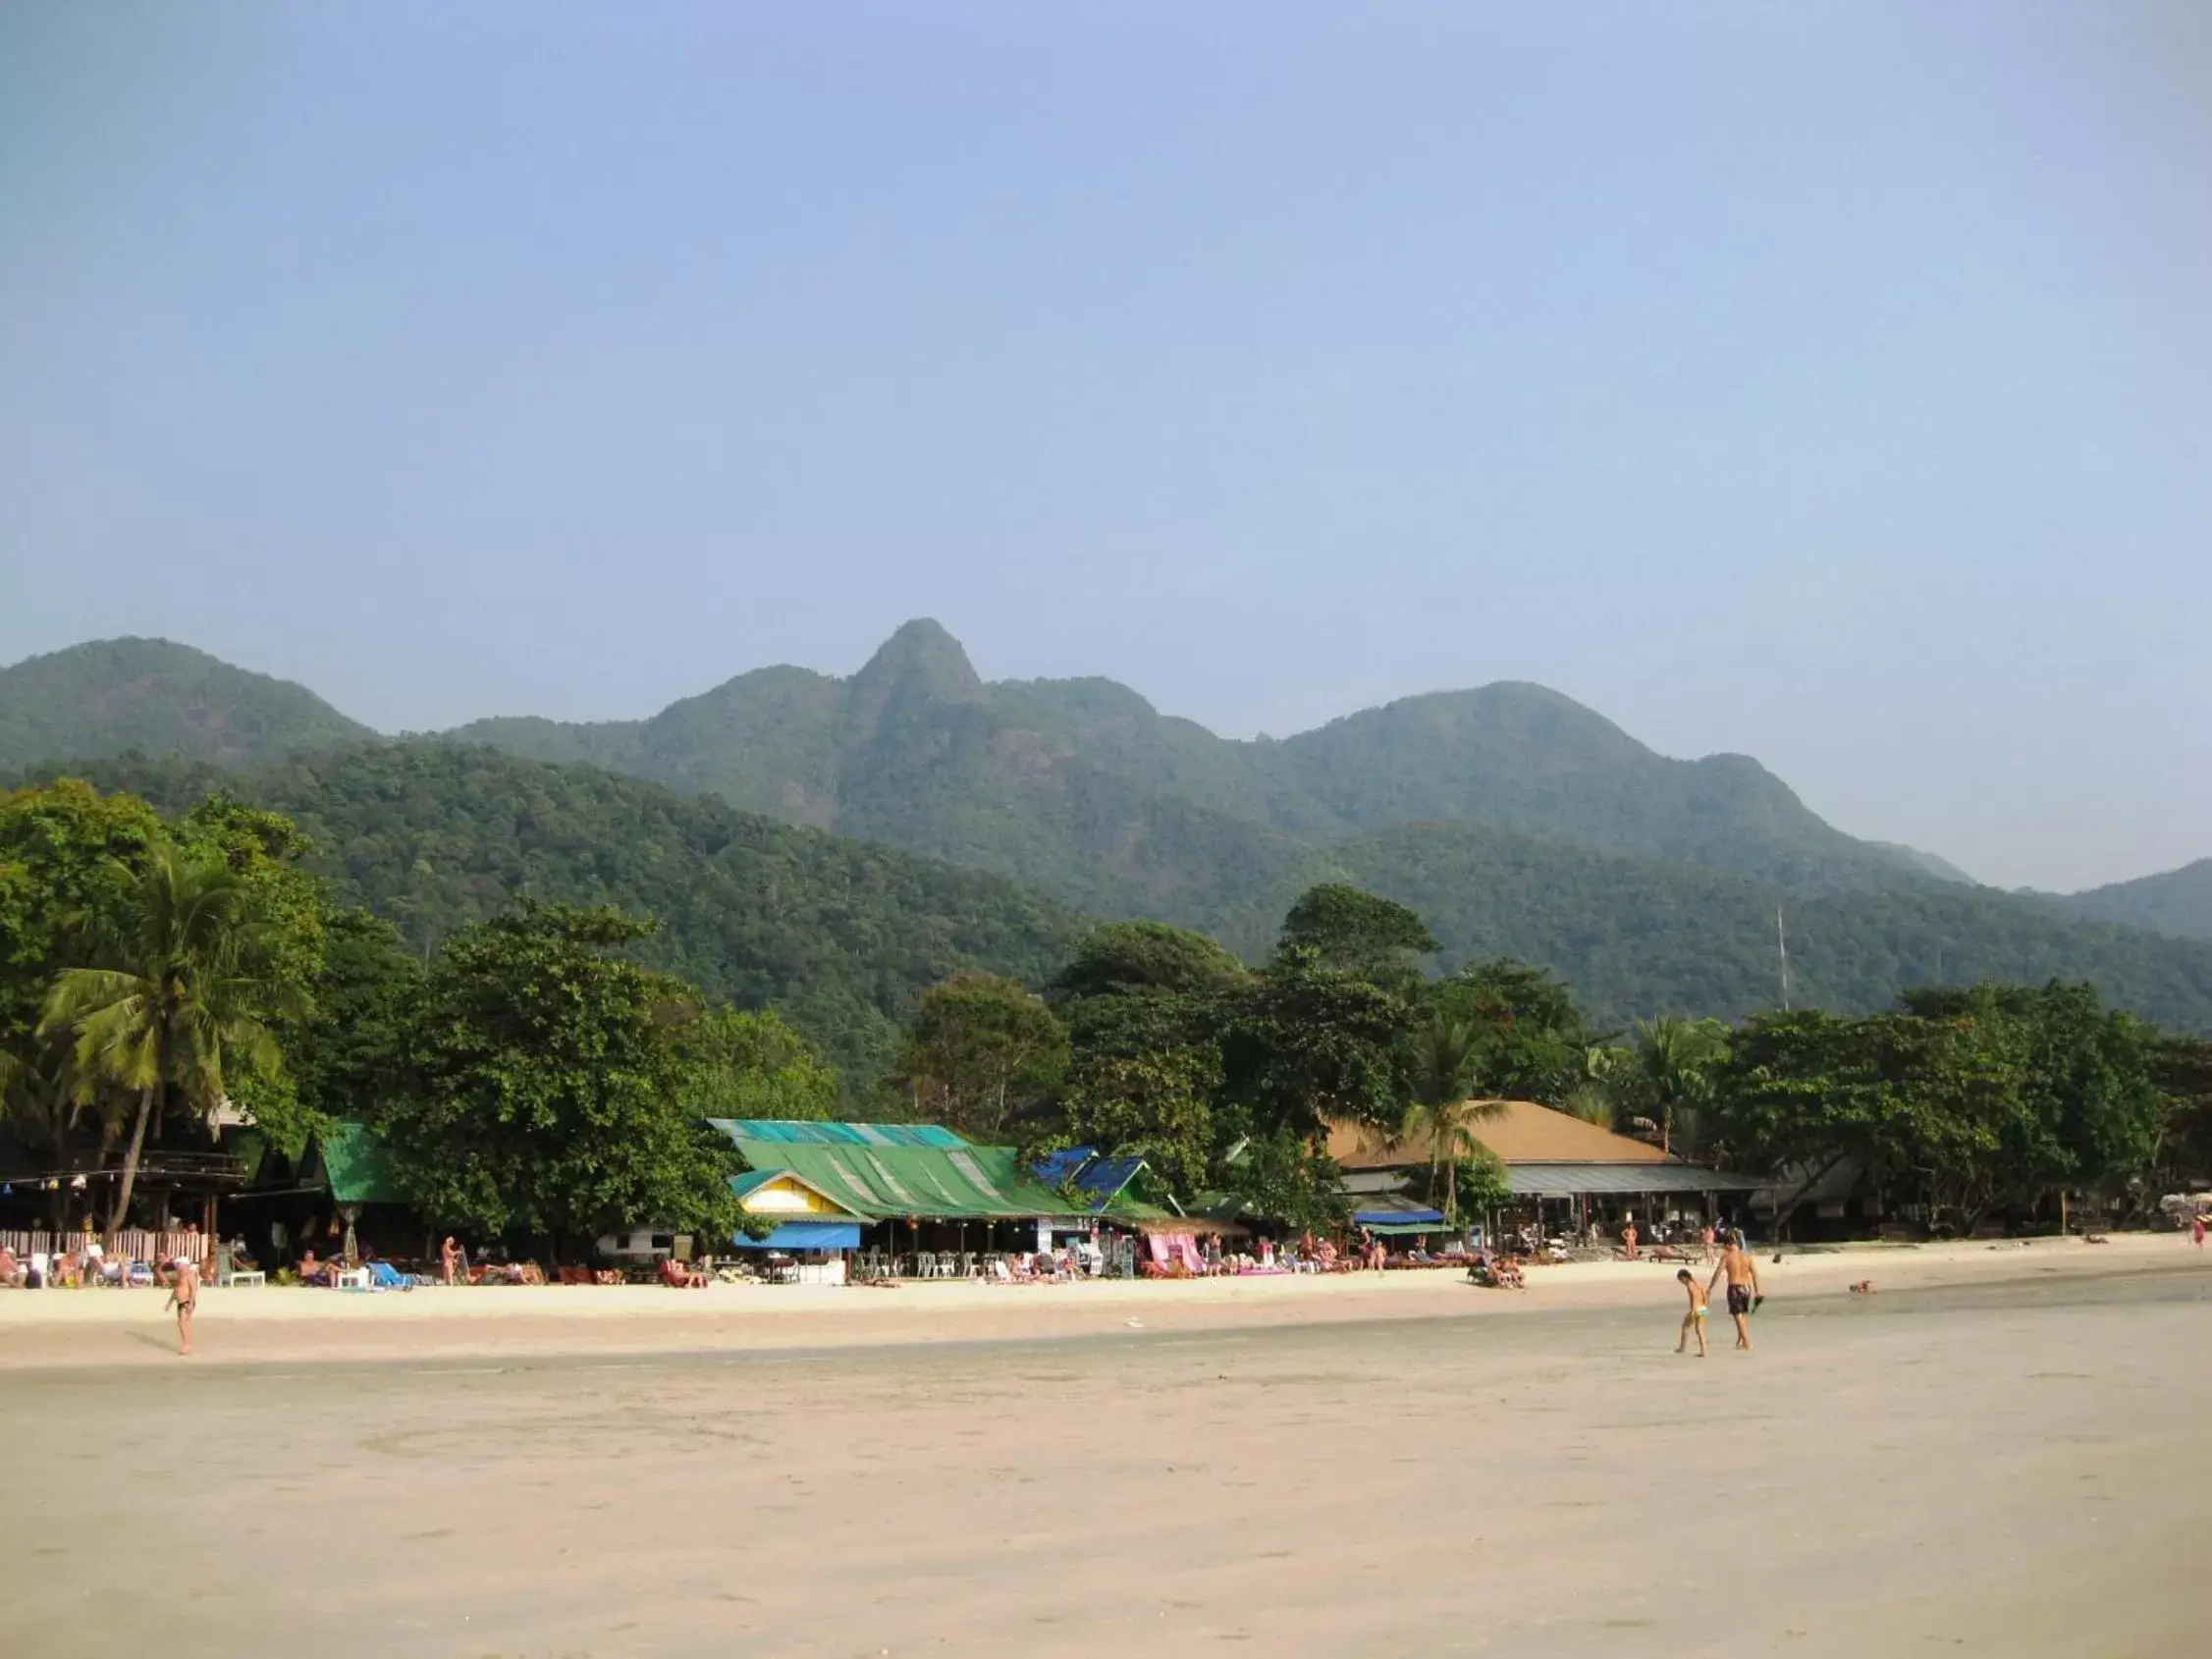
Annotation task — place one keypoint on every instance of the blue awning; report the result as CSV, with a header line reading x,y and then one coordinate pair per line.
x,y
807,1235
1403,1214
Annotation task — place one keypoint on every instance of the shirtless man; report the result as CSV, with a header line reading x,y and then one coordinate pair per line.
x,y
183,1295
1742,1273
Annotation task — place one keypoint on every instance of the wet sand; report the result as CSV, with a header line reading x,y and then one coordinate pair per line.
x,y
2009,1466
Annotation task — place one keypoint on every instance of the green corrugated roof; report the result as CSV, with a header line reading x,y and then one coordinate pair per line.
x,y
356,1167
808,1133
958,1182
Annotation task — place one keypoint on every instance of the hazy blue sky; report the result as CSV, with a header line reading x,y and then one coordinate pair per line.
x,y
1827,382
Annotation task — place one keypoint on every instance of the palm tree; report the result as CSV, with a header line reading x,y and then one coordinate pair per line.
x,y
1596,1098
1592,1103
1446,1054
177,993
1673,1067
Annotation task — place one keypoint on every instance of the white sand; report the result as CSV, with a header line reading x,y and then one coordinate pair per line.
x,y
2017,1465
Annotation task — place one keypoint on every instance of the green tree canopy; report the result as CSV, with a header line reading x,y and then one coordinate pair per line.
x,y
1531,1038
66,852
1306,1044
1669,1074
547,1088
1285,1178
1969,1100
1156,1105
981,1052
177,1002
751,1063
346,1058
1357,932
1131,956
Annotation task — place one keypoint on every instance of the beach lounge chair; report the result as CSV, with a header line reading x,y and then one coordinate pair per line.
x,y
384,1276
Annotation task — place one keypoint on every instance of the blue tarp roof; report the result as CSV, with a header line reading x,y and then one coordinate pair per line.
x,y
1082,1171
807,1235
1054,1167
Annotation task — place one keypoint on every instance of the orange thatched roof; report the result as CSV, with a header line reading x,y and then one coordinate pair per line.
x,y
1522,1132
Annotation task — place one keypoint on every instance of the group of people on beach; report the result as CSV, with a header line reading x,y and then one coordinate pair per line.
x,y
1744,1296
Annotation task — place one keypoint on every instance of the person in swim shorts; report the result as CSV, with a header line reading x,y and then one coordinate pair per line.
x,y
1742,1273
183,1295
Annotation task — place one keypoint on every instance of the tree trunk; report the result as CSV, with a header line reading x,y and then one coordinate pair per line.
x,y
131,1165
1784,1216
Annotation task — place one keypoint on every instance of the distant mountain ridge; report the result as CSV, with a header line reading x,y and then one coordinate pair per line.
x,y
112,696
1064,782
2178,903
1078,788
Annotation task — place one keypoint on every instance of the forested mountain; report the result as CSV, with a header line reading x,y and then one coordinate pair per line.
x,y
2177,903
1083,789
1078,787
1638,938
113,696
840,935
843,934
1511,816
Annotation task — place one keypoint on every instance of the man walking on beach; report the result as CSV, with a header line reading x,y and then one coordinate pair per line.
x,y
183,1295
1744,1295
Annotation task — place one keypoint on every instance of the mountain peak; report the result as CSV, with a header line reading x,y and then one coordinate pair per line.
x,y
920,661
110,696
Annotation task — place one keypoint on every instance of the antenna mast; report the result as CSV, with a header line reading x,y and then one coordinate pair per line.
x,y
1782,948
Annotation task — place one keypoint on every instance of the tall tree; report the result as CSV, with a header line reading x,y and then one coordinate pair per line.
x,y
1671,1071
1358,933
1532,1038
546,1094
980,1051
1131,956
1156,1105
178,997
347,1055
65,851
1307,1045
1443,1116
749,1063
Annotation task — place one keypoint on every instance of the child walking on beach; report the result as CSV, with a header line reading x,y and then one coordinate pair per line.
x,y
1694,1320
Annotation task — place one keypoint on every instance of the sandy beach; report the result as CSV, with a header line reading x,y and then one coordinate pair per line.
x,y
2000,1452
281,1326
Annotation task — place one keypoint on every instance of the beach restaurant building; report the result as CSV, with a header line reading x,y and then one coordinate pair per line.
x,y
918,1196
1566,1174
